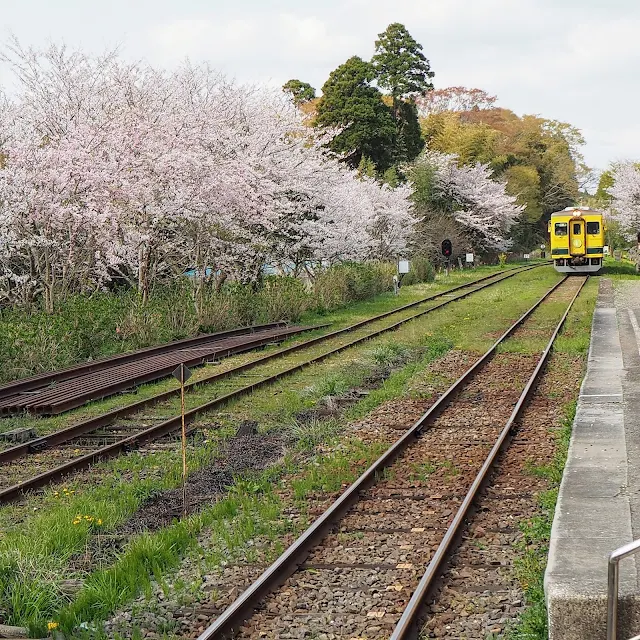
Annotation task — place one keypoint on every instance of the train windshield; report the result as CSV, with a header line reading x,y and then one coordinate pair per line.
x,y
593,228
561,228
577,228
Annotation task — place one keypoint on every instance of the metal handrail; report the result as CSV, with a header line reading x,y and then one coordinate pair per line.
x,y
613,583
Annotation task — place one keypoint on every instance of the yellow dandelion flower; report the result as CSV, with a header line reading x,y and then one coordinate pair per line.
x,y
99,522
76,522
52,625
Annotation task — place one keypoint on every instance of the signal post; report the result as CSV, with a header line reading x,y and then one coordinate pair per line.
x,y
447,251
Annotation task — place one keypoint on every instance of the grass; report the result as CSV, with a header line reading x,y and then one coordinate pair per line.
x,y
39,538
534,548
620,270
338,319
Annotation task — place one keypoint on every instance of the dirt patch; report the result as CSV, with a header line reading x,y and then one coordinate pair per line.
x,y
242,453
335,406
249,452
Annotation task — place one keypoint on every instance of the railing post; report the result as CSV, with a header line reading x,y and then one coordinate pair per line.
x,y
612,598
613,580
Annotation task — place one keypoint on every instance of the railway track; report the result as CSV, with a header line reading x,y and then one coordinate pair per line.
x,y
365,567
59,391
55,455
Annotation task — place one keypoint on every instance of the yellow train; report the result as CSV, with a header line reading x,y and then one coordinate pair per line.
x,y
577,240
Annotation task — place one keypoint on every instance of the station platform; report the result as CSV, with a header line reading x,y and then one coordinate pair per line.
x,y
598,507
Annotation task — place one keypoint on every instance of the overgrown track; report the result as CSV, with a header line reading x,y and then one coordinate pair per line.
x,y
45,468
45,379
356,572
60,392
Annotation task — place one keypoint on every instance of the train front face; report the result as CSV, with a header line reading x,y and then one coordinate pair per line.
x,y
577,240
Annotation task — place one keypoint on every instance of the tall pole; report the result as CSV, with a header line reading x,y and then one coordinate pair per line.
x,y
184,444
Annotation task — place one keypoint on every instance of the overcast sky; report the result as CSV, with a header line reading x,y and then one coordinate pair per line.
x,y
569,60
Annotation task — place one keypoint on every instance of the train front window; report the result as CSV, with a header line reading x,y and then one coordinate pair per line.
x,y
593,228
561,228
577,228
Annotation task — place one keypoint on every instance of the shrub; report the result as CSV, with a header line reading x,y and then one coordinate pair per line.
x,y
283,298
349,282
421,271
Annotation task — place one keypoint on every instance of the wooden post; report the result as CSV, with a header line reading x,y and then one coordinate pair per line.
x,y
182,374
184,444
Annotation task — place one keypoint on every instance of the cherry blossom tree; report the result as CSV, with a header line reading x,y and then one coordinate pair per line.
x,y
477,202
625,200
113,169
454,99
625,193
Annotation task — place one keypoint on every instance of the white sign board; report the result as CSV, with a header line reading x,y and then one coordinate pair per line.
x,y
469,257
606,250
403,266
526,256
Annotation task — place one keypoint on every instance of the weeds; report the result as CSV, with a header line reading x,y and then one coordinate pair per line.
x,y
534,548
309,435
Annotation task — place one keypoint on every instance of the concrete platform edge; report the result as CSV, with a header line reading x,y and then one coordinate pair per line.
x,y
593,512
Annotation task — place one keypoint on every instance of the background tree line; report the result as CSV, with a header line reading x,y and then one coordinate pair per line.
x,y
391,118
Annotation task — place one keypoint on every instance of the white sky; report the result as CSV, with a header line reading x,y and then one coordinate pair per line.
x,y
571,60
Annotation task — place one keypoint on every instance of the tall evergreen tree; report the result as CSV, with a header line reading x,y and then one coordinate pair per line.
x,y
299,91
409,142
401,67
351,103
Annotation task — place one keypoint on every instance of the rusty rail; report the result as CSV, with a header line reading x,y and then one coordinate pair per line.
x,y
294,556
157,431
44,379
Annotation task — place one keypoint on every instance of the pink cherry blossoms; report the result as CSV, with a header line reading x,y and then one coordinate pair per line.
x,y
116,170
477,202
625,194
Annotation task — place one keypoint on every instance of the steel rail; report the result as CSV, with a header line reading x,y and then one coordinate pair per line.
x,y
43,379
172,424
294,556
217,350
405,628
91,424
